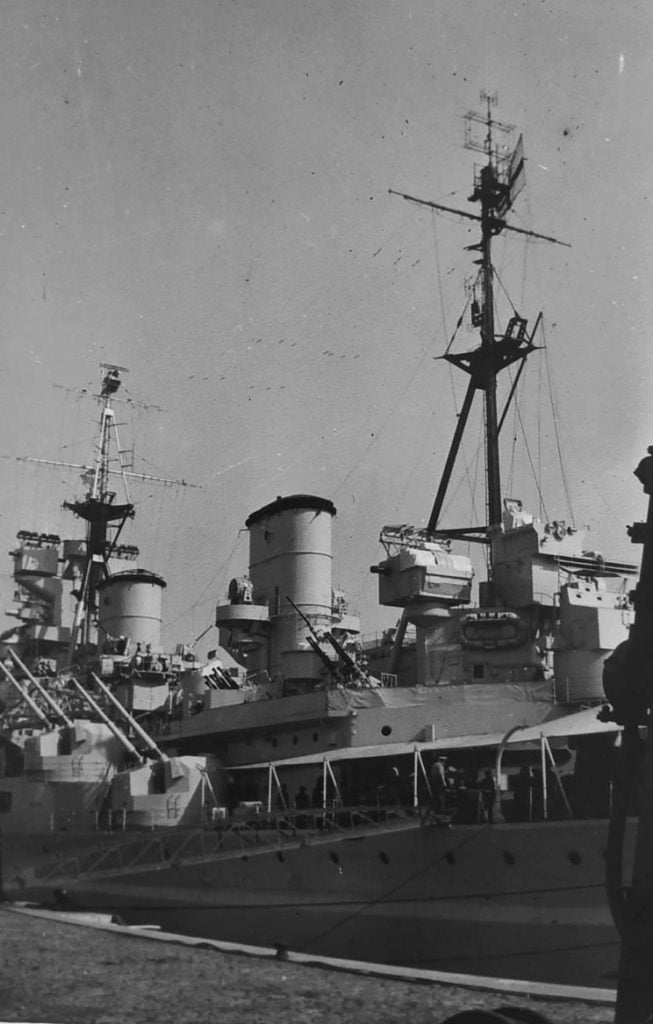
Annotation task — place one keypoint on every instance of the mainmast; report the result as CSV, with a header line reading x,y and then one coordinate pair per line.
x,y
496,186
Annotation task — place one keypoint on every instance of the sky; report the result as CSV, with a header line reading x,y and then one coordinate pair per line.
x,y
200,192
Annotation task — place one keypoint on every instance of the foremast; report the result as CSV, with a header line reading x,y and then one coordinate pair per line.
x,y
88,562
99,508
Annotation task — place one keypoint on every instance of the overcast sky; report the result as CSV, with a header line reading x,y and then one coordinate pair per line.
x,y
199,191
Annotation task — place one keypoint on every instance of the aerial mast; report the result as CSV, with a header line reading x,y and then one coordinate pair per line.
x,y
98,508
493,191
105,517
496,186
486,193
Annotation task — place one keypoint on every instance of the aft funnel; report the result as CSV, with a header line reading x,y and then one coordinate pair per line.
x,y
288,600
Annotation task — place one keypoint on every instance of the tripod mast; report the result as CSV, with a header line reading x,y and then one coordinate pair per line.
x,y
496,187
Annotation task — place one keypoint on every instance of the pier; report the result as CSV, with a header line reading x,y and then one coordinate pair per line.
x,y
62,968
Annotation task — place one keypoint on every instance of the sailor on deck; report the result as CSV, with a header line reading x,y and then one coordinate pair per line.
x,y
438,781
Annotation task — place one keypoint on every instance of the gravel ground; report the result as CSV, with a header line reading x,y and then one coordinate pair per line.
x,y
66,974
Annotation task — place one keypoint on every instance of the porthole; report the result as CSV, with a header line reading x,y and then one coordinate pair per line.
x,y
386,730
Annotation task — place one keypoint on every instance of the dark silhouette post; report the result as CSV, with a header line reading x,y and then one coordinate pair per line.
x,y
635,984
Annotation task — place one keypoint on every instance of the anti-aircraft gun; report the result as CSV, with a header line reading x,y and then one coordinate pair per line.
x,y
348,670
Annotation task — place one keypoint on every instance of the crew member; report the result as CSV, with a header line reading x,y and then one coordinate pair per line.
x,y
488,793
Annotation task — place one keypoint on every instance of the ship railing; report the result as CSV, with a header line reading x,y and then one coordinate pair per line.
x,y
338,817
169,846
389,679
154,848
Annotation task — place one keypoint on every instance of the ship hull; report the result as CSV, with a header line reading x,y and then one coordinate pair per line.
x,y
522,901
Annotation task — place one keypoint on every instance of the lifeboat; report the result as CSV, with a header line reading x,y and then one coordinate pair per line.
x,y
486,629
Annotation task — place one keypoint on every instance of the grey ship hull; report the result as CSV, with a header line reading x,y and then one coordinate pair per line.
x,y
511,900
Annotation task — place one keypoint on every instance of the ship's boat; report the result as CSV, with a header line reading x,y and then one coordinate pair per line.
x,y
437,799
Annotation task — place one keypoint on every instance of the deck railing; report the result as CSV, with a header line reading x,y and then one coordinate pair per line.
x,y
232,836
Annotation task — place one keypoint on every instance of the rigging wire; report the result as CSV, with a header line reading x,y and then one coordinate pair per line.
x,y
221,571
468,478
439,277
524,276
505,291
428,867
539,425
459,324
536,478
477,469
555,416
399,397
383,425
513,447
537,474
418,461
587,473
443,309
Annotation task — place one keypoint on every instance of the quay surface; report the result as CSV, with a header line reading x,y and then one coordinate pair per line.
x,y
58,969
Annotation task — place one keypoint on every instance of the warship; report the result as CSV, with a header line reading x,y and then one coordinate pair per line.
x,y
81,664
440,799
